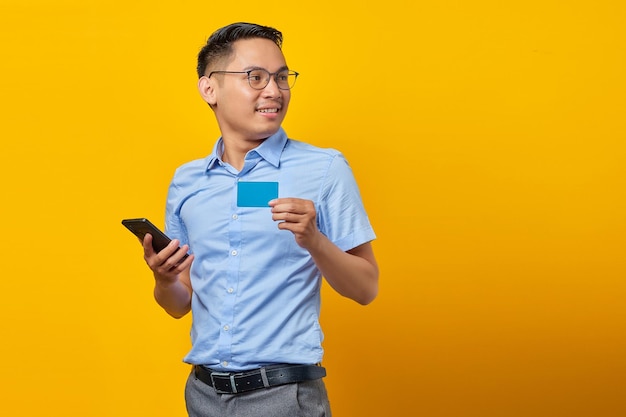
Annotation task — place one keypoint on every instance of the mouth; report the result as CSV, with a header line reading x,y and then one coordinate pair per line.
x,y
270,110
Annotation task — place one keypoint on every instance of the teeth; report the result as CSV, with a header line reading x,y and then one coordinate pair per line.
x,y
268,110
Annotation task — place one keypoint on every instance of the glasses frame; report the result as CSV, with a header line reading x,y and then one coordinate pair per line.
x,y
271,74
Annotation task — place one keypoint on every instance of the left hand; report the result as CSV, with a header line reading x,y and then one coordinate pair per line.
x,y
299,217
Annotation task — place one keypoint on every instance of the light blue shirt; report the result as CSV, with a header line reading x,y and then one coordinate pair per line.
x,y
256,293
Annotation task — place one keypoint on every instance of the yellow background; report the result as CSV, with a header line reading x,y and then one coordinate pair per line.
x,y
488,138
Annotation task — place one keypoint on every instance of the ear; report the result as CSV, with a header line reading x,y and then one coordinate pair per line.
x,y
206,87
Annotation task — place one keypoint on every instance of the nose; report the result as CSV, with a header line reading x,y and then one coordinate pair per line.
x,y
271,89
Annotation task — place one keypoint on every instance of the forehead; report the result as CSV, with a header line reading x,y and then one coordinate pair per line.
x,y
256,52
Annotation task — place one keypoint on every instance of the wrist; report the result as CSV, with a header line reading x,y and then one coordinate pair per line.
x,y
317,243
164,281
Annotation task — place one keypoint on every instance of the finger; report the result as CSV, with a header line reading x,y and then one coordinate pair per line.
x,y
160,259
149,254
171,252
173,268
183,265
179,256
289,217
287,201
147,244
283,200
297,207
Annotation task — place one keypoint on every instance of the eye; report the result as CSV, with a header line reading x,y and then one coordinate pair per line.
x,y
256,76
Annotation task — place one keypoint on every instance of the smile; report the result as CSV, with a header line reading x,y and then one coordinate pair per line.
x,y
268,111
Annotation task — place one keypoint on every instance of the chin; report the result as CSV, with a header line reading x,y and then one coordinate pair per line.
x,y
265,133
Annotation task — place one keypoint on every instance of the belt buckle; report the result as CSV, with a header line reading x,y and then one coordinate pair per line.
x,y
221,385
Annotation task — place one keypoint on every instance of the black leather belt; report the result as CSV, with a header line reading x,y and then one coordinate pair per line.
x,y
269,376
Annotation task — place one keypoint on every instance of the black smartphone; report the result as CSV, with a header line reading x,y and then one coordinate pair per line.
x,y
141,226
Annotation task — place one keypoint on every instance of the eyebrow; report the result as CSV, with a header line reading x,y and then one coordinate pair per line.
x,y
252,68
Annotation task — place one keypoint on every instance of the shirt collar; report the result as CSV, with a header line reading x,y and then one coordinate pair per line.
x,y
270,150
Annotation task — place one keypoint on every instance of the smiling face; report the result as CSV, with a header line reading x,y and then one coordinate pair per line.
x,y
247,116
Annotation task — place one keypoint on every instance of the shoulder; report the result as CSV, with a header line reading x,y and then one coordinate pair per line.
x,y
299,146
326,165
303,150
190,171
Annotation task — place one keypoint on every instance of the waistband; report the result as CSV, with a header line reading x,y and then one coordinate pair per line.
x,y
265,377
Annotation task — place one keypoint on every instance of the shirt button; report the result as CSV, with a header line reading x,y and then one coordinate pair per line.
x,y
231,290
235,217
233,252
224,363
226,328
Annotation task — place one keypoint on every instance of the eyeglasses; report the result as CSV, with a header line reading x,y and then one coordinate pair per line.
x,y
260,78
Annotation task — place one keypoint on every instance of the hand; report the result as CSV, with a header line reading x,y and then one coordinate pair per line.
x,y
168,263
299,217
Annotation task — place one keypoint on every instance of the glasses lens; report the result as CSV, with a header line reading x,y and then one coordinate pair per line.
x,y
258,79
286,79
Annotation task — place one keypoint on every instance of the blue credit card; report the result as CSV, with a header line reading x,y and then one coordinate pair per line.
x,y
256,194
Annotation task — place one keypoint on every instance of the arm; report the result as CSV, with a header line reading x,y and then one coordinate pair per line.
x,y
172,287
353,274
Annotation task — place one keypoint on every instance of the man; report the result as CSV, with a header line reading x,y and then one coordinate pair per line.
x,y
264,218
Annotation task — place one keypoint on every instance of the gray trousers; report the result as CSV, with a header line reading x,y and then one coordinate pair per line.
x,y
302,399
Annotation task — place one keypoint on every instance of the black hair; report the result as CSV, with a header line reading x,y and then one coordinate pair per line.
x,y
219,44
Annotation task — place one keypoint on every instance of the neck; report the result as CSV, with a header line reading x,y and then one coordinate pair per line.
x,y
235,151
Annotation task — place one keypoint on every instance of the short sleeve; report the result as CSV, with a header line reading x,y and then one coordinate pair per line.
x,y
174,226
341,214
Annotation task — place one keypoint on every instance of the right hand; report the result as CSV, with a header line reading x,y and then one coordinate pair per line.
x,y
168,263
